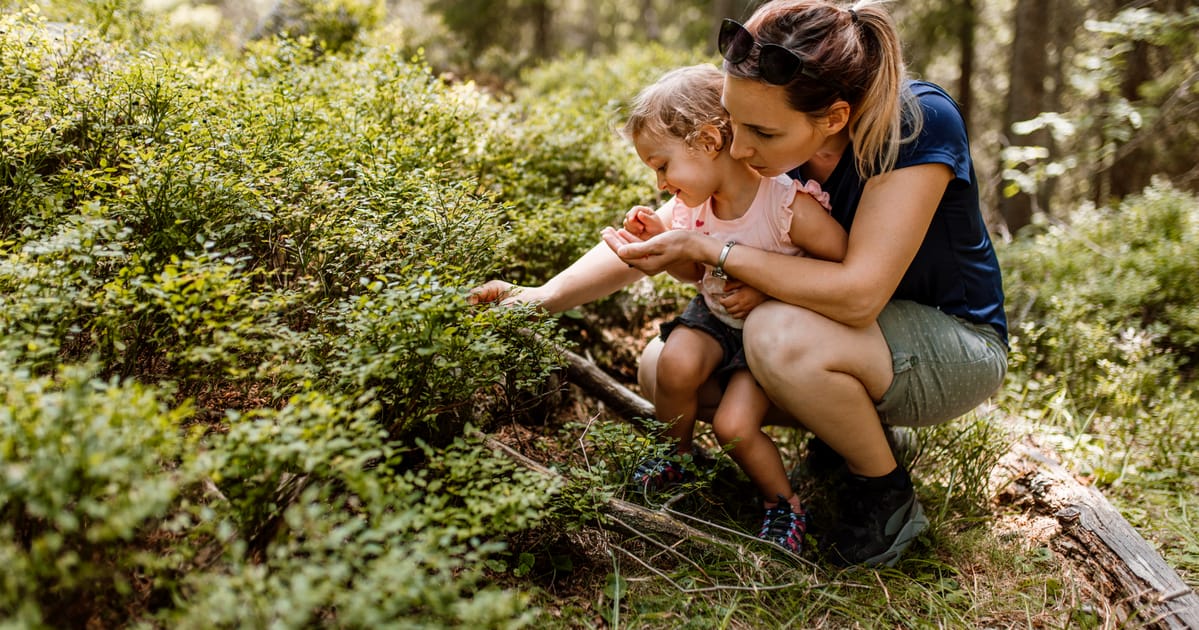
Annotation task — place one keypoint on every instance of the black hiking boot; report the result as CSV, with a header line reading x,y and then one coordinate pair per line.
x,y
878,520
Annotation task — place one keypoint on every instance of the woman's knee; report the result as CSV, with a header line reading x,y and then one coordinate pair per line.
x,y
777,335
776,324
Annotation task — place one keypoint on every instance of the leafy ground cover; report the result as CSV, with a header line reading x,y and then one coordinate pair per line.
x,y
241,384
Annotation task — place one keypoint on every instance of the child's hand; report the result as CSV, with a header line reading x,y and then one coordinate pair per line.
x,y
495,292
642,223
740,298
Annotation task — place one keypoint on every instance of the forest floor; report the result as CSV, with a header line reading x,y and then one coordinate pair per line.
x,y
991,567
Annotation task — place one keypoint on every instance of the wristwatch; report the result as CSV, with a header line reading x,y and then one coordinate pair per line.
x,y
718,271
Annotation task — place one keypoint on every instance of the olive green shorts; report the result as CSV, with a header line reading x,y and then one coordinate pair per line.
x,y
944,365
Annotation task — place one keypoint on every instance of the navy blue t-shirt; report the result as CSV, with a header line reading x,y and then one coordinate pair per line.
x,y
955,269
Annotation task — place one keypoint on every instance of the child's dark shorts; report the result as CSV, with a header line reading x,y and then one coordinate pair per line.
x,y
699,317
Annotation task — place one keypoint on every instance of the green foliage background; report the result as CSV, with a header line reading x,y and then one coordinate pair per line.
x,y
241,383
239,368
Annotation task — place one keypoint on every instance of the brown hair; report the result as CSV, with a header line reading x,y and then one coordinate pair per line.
x,y
855,52
679,104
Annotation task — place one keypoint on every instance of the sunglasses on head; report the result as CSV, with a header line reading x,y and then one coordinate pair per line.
x,y
778,65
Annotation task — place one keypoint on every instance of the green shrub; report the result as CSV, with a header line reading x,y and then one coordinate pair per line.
x,y
236,234
202,317
415,346
335,524
91,472
1105,330
1109,292
331,24
48,286
32,120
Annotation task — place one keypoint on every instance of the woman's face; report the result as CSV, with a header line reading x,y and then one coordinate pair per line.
x,y
768,134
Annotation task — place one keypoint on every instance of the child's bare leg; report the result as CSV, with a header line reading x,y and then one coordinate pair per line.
x,y
687,361
738,422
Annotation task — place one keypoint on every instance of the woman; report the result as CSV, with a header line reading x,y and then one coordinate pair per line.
x,y
909,328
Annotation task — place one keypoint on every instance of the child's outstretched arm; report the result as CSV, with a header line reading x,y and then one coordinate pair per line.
x,y
596,274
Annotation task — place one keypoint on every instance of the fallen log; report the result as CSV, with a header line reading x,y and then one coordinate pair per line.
x,y
608,390
633,516
1141,587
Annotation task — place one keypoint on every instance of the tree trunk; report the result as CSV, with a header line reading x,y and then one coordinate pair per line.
x,y
1026,97
967,21
1133,167
649,21
721,9
542,18
1067,19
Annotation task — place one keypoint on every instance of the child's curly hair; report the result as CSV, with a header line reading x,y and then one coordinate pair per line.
x,y
679,104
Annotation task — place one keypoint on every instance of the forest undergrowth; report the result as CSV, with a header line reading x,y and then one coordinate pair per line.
x,y
241,384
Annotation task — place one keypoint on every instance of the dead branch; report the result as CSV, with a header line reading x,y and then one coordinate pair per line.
x,y
608,390
631,515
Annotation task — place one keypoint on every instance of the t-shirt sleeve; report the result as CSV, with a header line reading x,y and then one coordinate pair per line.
x,y
942,139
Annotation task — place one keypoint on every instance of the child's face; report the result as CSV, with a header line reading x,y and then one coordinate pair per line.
x,y
685,172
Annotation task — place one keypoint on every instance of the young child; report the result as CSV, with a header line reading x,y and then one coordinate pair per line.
x,y
681,131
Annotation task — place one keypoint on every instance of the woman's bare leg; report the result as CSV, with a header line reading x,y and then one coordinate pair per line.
x,y
826,375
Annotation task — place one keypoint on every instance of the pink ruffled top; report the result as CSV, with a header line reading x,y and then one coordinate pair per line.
x,y
765,225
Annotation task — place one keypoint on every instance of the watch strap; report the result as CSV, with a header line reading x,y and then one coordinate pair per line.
x,y
718,271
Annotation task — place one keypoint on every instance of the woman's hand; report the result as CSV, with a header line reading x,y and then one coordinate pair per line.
x,y
662,251
642,223
740,298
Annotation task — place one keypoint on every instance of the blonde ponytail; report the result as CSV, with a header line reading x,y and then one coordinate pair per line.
x,y
886,103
